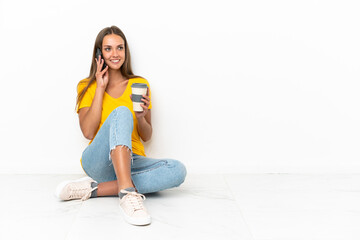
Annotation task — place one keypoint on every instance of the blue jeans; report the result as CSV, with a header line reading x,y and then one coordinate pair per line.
x,y
148,174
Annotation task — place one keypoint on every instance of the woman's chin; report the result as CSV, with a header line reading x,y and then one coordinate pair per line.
x,y
114,67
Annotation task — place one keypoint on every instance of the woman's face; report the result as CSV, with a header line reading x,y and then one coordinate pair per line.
x,y
113,50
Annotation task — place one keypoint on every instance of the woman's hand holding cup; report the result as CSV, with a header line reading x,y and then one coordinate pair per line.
x,y
145,106
140,98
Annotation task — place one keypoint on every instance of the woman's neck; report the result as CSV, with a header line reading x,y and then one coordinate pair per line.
x,y
115,76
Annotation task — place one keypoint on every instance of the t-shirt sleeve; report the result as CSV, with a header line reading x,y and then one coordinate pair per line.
x,y
86,101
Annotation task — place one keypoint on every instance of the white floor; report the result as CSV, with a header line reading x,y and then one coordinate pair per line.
x,y
260,206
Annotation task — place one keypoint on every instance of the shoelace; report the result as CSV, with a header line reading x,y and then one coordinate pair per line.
x,y
83,193
88,194
135,200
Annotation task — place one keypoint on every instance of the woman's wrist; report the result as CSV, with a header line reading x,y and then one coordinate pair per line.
x,y
141,120
99,90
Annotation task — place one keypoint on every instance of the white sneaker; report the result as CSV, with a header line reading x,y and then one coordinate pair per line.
x,y
133,209
75,189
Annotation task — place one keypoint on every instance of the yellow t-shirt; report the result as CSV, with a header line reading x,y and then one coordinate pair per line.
x,y
110,103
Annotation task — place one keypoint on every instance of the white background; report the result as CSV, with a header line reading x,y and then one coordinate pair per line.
x,y
238,86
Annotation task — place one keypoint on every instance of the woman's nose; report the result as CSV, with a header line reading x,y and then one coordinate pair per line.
x,y
114,54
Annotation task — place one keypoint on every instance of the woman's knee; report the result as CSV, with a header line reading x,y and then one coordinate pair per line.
x,y
178,170
122,112
123,109
121,125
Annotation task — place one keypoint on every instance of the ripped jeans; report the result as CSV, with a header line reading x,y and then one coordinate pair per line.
x,y
148,174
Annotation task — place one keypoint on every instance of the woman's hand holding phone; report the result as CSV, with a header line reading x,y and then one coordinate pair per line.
x,y
102,77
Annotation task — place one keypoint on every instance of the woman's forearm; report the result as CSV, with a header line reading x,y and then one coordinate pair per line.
x,y
145,129
90,122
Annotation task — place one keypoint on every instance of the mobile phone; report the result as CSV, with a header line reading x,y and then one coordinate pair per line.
x,y
98,53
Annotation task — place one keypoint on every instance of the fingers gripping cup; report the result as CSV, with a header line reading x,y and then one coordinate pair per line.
x,y
138,90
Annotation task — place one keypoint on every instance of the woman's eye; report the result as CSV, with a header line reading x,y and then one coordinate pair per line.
x,y
107,49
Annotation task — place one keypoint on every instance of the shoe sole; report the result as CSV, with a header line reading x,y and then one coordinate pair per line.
x,y
63,184
137,222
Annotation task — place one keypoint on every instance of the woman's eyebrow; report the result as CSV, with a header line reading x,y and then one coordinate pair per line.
x,y
117,45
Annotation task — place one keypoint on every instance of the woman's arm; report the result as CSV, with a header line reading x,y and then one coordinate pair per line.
x,y
144,119
89,117
145,128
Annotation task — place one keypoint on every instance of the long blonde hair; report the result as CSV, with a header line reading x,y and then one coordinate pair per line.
x,y
125,69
